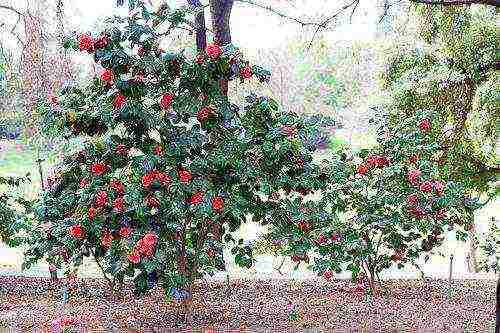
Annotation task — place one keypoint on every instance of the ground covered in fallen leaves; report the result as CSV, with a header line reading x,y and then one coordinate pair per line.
x,y
32,305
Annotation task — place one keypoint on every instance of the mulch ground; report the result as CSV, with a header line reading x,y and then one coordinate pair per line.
x,y
31,304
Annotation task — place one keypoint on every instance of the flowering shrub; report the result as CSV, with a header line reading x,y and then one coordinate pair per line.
x,y
170,167
397,208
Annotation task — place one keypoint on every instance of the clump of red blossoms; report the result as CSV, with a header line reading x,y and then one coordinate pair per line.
x,y
119,205
106,239
97,169
414,177
152,201
76,231
246,72
196,198
185,176
92,213
426,186
119,101
117,186
101,199
425,125
217,204
107,75
204,114
213,50
125,232
86,43
166,101
412,199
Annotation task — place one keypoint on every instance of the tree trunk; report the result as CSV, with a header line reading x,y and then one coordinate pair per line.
x,y
221,14
201,31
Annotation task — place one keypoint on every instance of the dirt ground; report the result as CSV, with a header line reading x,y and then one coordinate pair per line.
x,y
31,304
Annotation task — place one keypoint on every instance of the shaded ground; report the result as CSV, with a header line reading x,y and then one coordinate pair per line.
x,y
29,305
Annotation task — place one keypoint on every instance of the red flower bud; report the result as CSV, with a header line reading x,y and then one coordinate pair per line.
x,y
101,199
185,176
76,231
92,213
119,205
426,186
106,239
362,169
425,126
125,232
414,177
97,169
107,75
86,43
217,204
134,257
119,101
196,198
117,186
246,72
166,101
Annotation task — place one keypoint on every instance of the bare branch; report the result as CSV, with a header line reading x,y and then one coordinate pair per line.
x,y
325,22
12,9
277,12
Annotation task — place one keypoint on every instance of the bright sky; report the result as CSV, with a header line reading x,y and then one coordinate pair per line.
x,y
254,27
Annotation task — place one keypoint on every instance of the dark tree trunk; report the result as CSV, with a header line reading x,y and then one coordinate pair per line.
x,y
221,14
201,31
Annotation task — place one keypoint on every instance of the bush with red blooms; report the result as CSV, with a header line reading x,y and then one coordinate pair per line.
x,y
397,206
170,167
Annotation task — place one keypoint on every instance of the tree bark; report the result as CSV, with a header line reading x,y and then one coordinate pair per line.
x,y
201,30
221,14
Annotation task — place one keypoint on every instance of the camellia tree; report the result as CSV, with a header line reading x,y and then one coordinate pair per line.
x,y
169,167
396,208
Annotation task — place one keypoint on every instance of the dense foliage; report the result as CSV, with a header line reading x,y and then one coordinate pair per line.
x,y
170,167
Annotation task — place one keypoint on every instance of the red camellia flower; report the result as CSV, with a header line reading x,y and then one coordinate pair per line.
x,y
76,231
414,159
426,186
417,212
217,204
119,205
213,50
134,257
117,186
119,101
92,213
335,237
101,199
166,101
152,201
204,114
107,75
84,183
106,239
159,151
164,179
362,169
246,72
148,179
439,187
197,198
412,199
121,149
185,176
150,239
328,275
98,169
86,43
425,125
125,232
414,177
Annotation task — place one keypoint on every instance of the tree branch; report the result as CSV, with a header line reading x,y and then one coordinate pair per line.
x,y
495,3
12,9
325,22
